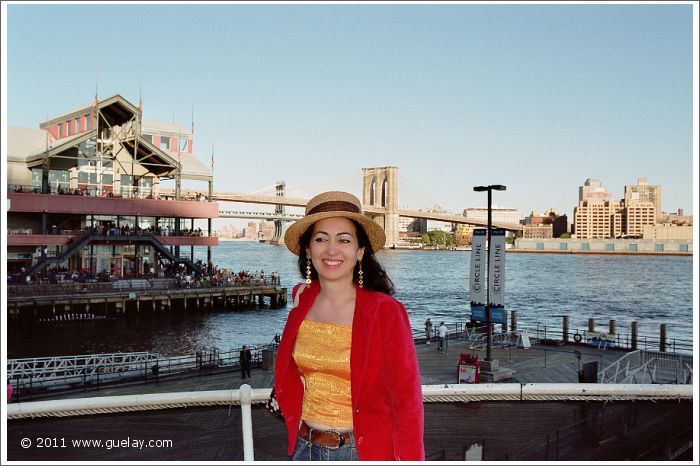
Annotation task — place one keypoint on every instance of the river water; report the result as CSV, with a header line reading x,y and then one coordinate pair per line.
x,y
540,287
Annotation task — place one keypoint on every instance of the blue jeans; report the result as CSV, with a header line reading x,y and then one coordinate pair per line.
x,y
307,451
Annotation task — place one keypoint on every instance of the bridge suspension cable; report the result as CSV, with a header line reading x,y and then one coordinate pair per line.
x,y
404,184
334,182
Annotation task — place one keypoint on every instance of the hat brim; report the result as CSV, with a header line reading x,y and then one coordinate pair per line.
x,y
374,232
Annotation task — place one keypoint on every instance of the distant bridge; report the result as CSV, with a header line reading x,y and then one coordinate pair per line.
x,y
297,202
379,201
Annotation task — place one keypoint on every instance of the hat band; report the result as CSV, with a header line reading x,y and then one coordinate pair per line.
x,y
333,206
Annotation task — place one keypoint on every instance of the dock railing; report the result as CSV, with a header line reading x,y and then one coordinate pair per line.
x,y
32,377
245,397
649,367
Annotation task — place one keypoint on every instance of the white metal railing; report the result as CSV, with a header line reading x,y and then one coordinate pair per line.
x,y
649,367
60,367
477,338
245,397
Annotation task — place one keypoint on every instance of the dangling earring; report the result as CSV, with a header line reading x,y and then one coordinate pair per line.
x,y
308,272
359,276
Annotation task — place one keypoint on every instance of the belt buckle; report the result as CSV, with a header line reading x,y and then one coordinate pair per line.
x,y
341,439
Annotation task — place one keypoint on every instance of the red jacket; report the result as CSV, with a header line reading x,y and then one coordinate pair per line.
x,y
387,400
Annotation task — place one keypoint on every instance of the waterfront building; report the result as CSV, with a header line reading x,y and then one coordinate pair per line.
x,y
636,216
267,230
668,231
676,218
597,216
406,224
251,231
598,219
547,225
84,193
463,234
498,214
605,246
538,231
644,192
424,225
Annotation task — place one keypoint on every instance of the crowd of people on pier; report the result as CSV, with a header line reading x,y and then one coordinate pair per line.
x,y
202,276
216,276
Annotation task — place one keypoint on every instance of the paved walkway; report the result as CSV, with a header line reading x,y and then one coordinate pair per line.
x,y
528,431
537,364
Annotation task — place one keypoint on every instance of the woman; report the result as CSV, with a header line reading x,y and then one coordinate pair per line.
x,y
346,375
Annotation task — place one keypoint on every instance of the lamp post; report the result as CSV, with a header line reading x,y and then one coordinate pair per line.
x,y
489,188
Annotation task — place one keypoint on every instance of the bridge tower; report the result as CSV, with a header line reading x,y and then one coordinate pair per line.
x,y
279,211
380,190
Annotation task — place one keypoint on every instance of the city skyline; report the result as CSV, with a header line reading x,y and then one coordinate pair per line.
x,y
536,97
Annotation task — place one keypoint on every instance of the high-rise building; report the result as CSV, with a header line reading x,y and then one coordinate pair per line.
x,y
593,189
598,219
644,192
638,215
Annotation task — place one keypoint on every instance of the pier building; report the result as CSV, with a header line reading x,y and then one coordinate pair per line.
x,y
84,194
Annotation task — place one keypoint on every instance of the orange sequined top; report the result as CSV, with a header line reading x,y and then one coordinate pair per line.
x,y
322,354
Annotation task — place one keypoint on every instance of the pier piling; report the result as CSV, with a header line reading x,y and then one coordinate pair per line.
x,y
565,329
662,338
633,343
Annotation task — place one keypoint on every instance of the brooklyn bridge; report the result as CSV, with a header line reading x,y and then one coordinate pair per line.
x,y
380,194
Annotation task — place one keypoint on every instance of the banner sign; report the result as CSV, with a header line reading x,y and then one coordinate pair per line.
x,y
497,276
477,275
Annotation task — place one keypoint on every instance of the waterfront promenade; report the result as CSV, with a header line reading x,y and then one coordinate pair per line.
x,y
507,430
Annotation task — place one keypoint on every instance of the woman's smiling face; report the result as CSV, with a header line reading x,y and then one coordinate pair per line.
x,y
334,249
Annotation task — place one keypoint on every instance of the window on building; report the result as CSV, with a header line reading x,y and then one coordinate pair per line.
x,y
148,137
77,125
127,184
610,247
165,142
539,246
632,247
58,181
60,131
563,246
88,122
36,179
659,247
67,129
107,184
585,247
183,145
683,247
145,186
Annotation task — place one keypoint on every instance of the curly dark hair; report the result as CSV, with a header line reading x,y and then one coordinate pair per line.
x,y
374,276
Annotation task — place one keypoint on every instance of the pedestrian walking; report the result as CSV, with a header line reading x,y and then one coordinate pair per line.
x,y
442,334
428,330
245,359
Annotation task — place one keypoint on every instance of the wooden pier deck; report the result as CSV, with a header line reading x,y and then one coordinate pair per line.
x,y
109,301
531,431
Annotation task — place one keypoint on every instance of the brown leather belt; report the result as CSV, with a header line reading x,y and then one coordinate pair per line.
x,y
324,438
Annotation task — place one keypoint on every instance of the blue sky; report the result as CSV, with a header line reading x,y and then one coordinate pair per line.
x,y
537,97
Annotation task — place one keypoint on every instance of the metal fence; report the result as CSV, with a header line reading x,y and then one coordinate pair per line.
x,y
31,377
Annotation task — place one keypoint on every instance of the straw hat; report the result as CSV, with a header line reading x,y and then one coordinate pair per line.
x,y
334,204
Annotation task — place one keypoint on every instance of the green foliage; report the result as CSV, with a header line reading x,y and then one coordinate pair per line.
x,y
439,238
